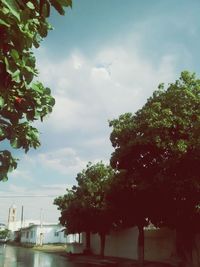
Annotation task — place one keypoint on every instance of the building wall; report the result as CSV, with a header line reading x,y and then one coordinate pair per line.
x,y
62,237
43,235
75,243
29,235
51,234
74,238
159,244
118,244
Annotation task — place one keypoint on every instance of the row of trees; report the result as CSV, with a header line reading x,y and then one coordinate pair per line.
x,y
84,208
23,25
155,174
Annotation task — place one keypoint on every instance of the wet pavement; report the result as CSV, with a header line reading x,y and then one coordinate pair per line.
x,y
11,256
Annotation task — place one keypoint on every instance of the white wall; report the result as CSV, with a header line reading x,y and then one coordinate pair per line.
x,y
74,238
118,244
62,237
43,235
29,235
159,244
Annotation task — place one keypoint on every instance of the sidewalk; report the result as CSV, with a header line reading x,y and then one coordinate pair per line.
x,y
95,260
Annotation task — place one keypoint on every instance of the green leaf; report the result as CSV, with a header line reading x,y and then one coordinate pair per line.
x,y
14,143
45,9
58,6
65,2
2,102
43,30
52,101
47,91
13,7
14,54
30,5
16,76
2,22
2,133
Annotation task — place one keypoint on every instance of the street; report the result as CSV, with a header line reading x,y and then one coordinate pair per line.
x,y
11,256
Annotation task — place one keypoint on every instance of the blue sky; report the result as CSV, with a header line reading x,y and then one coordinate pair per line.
x,y
102,59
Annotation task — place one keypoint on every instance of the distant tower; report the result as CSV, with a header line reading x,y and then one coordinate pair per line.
x,y
12,218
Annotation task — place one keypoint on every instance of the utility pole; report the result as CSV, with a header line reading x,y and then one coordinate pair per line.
x,y
22,220
22,216
41,231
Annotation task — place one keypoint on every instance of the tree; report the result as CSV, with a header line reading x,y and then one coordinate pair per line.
x,y
136,163
4,234
157,158
23,24
85,207
75,215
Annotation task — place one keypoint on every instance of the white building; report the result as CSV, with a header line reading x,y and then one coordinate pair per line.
x,y
14,224
43,234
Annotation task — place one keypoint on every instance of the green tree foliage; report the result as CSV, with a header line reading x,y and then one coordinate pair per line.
x,y
75,215
157,157
23,24
84,208
4,234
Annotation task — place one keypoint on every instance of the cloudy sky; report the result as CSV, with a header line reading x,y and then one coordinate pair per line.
x,y
102,59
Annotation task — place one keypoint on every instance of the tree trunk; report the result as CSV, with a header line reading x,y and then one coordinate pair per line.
x,y
79,238
103,241
88,241
185,245
141,245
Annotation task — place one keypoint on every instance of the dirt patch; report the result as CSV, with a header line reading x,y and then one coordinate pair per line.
x,y
51,248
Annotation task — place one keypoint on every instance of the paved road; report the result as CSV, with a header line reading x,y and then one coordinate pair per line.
x,y
11,256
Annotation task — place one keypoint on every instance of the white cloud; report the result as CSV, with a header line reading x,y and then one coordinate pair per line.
x,y
91,90
21,174
64,160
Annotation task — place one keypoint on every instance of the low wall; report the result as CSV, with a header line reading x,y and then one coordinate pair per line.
x,y
159,244
116,243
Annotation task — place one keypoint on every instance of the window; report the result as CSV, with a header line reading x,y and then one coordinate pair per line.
x,y
56,233
32,234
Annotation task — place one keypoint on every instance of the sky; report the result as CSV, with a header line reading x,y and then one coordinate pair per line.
x,y
102,59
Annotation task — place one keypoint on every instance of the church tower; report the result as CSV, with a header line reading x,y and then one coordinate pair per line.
x,y
12,218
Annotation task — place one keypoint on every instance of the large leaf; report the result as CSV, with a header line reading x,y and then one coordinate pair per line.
x,y
30,5
65,2
2,22
58,6
1,102
44,9
13,7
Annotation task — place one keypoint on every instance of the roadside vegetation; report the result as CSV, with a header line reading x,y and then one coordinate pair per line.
x,y
154,176
4,234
